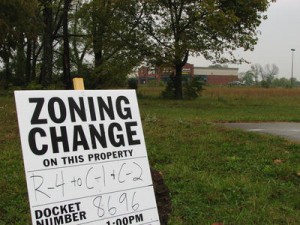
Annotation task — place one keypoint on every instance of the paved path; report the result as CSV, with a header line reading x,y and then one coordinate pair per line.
x,y
287,130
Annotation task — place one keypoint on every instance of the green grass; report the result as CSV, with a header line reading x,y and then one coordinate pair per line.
x,y
229,105
214,174
14,206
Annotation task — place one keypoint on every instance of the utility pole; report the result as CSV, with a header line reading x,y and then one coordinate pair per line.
x,y
292,73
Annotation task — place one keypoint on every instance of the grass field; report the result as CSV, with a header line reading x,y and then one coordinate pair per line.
x,y
214,174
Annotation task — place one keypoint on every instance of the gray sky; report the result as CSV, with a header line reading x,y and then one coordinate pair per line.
x,y
279,34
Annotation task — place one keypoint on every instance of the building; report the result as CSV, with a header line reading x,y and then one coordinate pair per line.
x,y
216,75
148,74
211,75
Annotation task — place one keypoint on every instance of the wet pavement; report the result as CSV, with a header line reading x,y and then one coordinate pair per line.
x,y
290,131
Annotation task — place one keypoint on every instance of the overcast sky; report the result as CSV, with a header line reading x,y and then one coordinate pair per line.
x,y
279,34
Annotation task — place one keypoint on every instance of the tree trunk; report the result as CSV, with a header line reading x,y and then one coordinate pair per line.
x,y
28,61
35,55
7,73
66,49
46,71
99,29
178,82
97,44
20,62
179,64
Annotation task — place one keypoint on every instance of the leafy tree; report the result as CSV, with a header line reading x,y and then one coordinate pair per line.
x,y
53,14
281,82
53,38
18,24
112,28
53,35
81,42
249,78
29,32
180,28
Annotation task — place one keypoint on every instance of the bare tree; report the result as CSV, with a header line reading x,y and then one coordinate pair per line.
x,y
266,73
256,70
269,72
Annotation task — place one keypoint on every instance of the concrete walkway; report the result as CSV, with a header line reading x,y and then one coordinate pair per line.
x,y
290,131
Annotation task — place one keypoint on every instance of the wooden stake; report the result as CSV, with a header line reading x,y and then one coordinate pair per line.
x,y
78,83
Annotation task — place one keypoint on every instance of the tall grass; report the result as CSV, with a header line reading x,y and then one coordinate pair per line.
x,y
252,92
227,104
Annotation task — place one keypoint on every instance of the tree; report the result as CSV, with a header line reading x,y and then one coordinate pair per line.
x,y
111,27
7,37
80,41
266,73
281,82
180,28
52,38
269,72
66,46
256,70
47,39
17,30
248,78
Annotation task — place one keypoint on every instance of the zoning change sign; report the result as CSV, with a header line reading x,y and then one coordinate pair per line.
x,y
85,158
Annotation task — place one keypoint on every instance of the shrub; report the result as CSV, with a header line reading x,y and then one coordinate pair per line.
x,y
169,92
192,88
132,83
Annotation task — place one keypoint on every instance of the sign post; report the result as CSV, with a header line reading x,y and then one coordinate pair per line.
x,y
85,158
78,83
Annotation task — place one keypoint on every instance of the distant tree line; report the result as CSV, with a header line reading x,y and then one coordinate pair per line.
x,y
44,43
266,77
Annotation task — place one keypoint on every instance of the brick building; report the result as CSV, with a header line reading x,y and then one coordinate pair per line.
x,y
216,76
148,74
211,75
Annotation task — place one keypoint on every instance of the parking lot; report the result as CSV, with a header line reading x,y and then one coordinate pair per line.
x,y
290,131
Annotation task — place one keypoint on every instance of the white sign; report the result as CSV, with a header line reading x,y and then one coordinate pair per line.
x,y
85,158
